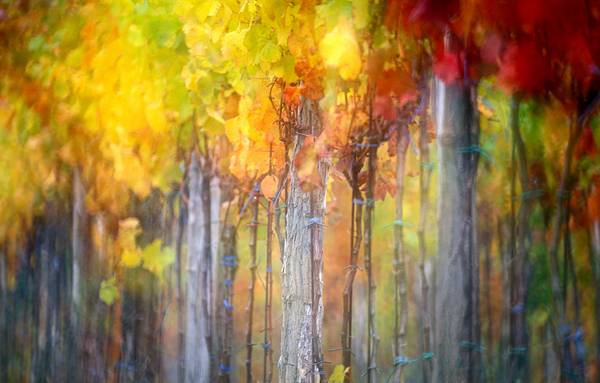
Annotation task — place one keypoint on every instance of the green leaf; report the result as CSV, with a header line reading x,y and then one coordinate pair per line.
x,y
330,12
156,258
36,43
361,13
286,69
109,291
270,52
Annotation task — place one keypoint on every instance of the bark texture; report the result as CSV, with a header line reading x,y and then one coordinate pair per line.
x,y
400,275
78,243
518,351
302,268
355,244
79,248
373,339
214,244
251,286
199,280
268,352
594,255
225,313
424,180
180,295
457,334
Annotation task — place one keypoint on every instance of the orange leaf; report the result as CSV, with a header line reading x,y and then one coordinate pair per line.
x,y
268,187
292,93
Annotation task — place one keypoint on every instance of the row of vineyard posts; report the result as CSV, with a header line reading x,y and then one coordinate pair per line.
x,y
433,86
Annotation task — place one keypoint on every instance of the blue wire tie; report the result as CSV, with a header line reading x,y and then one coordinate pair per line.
x,y
228,306
578,336
224,368
399,222
522,350
421,106
125,366
532,194
266,346
281,206
564,330
368,202
229,261
475,149
427,355
228,282
314,221
471,346
428,165
402,360
487,102
269,269
366,145
518,308
579,344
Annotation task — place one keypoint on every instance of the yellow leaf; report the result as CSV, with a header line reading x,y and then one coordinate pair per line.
x,y
338,374
131,258
156,258
340,50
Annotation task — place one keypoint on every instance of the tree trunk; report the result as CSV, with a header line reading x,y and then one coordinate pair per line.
x,y
561,330
372,339
79,247
348,294
268,351
486,237
253,265
78,243
457,328
551,361
199,280
400,277
214,248
359,339
503,249
424,180
302,268
576,337
518,351
181,308
595,263
5,311
225,312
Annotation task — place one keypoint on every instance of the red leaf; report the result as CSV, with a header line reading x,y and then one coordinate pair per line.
x,y
593,203
524,68
383,107
397,83
447,67
586,146
532,12
491,49
580,56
